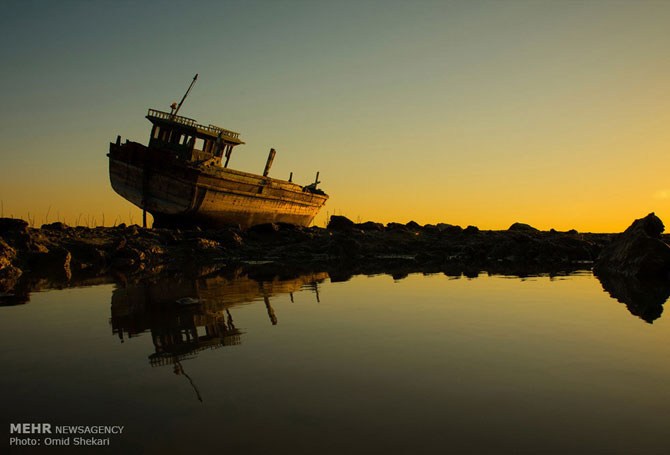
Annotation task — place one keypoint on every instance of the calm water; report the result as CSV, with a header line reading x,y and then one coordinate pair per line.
x,y
427,364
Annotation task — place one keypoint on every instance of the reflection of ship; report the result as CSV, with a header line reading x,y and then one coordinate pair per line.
x,y
181,178
185,317
189,316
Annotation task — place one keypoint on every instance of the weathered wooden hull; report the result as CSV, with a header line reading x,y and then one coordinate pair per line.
x,y
177,193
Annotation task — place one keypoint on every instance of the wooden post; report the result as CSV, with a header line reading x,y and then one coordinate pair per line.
x,y
271,157
229,151
290,177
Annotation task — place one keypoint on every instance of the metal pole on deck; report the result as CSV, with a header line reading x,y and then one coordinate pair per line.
x,y
195,78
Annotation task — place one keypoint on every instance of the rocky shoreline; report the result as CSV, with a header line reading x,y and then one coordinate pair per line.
x,y
633,267
59,254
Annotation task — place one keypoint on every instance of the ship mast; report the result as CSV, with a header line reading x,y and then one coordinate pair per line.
x,y
176,109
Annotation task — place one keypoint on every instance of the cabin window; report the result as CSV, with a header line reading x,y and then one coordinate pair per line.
x,y
155,132
165,134
185,138
174,138
199,144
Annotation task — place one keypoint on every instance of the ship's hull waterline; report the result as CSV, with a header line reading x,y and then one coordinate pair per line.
x,y
177,194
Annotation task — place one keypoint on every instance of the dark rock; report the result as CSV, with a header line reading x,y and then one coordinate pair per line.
x,y
471,230
128,256
37,247
522,227
205,244
289,227
170,238
650,224
337,275
573,231
370,226
120,244
7,253
449,228
265,228
55,263
344,246
124,262
338,223
13,225
396,227
9,273
413,225
637,252
228,237
57,226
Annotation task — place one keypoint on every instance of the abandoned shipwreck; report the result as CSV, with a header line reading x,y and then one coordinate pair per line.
x,y
181,178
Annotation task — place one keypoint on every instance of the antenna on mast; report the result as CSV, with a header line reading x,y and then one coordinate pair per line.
x,y
175,108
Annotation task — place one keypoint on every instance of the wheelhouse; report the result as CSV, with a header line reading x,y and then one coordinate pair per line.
x,y
190,141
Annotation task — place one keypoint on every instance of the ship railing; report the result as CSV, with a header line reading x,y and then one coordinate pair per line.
x,y
174,118
218,129
190,122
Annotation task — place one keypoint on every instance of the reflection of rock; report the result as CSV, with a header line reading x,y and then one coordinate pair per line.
x,y
637,252
644,298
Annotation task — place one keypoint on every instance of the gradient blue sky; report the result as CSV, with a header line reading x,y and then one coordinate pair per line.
x,y
551,113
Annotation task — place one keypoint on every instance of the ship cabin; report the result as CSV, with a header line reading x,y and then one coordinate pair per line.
x,y
191,141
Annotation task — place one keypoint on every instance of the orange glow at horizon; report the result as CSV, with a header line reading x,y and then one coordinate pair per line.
x,y
478,114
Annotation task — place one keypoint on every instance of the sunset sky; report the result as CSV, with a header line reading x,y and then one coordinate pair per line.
x,y
555,113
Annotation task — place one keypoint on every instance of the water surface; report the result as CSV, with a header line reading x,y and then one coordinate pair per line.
x,y
424,364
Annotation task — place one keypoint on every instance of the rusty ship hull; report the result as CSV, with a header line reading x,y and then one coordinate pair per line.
x,y
178,193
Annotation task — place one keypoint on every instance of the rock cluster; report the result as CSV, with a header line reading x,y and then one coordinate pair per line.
x,y
635,268
638,252
58,253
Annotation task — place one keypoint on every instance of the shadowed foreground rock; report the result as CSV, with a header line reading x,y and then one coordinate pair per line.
x,y
638,252
635,268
